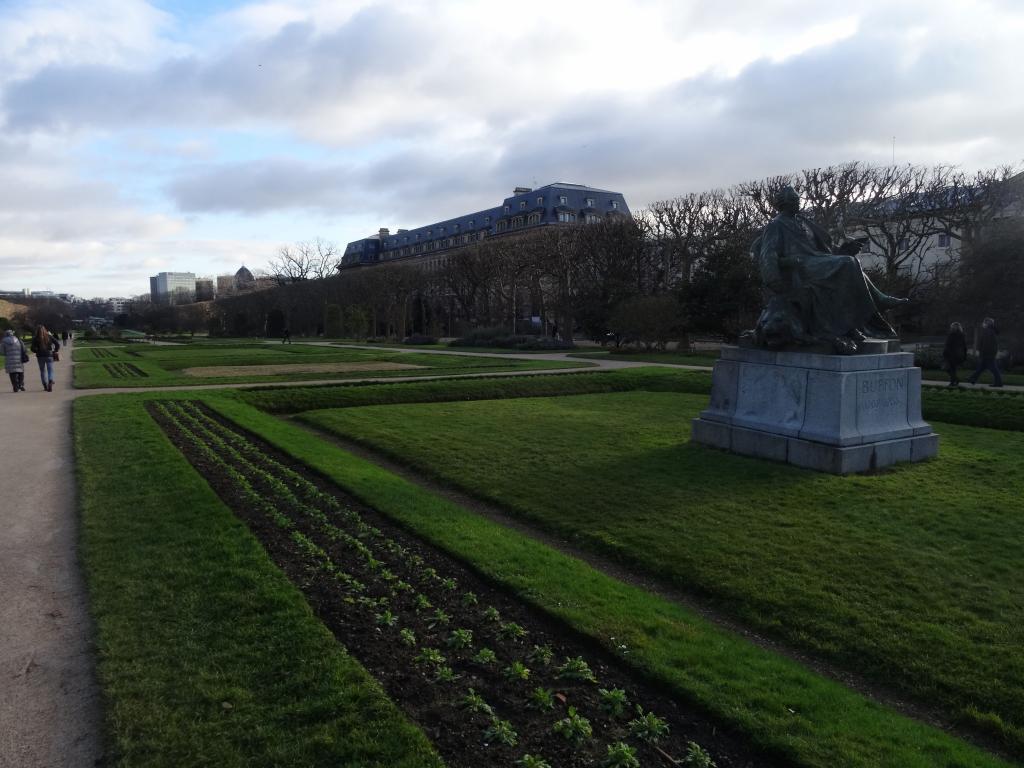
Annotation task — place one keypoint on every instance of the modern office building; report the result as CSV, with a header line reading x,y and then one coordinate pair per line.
x,y
548,205
173,288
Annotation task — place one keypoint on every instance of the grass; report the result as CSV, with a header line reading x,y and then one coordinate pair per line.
x,y
910,577
208,656
785,709
165,365
671,358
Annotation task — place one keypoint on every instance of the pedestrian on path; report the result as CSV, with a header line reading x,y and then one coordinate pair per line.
x,y
955,352
988,347
15,356
45,346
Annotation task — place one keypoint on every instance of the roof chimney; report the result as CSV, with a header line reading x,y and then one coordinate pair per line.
x,y
520,190
384,232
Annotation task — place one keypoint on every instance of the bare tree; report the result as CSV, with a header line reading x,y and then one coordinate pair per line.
x,y
316,259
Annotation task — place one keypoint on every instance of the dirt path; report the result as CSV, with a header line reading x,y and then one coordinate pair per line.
x,y
49,698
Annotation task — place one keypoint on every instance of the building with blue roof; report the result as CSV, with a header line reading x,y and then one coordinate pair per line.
x,y
552,204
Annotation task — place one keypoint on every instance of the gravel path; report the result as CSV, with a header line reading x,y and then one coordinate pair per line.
x,y
49,698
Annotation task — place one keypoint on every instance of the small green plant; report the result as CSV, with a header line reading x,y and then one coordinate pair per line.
x,y
430,656
613,701
386,619
532,761
469,598
541,698
485,656
511,631
491,614
422,603
408,637
648,727
620,755
576,669
574,728
697,757
541,655
430,573
475,703
460,638
516,671
439,617
449,585
445,674
501,732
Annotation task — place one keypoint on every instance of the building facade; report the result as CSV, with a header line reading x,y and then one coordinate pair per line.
x,y
553,204
173,288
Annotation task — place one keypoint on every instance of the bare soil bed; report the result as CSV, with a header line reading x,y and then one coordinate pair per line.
x,y
210,371
485,676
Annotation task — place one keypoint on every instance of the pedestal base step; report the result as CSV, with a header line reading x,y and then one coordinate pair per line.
x,y
819,456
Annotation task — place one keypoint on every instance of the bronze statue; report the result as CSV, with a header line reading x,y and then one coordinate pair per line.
x,y
816,293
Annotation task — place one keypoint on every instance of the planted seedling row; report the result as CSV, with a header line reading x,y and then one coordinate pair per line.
x,y
490,681
123,370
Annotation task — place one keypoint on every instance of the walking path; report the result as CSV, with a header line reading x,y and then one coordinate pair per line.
x,y
49,698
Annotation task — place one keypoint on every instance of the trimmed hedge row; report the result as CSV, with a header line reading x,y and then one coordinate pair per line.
x,y
972,408
287,400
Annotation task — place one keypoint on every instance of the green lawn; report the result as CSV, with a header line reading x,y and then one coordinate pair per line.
x,y
794,714
910,577
208,655
142,365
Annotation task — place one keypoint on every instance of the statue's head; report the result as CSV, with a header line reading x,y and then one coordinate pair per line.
x,y
786,200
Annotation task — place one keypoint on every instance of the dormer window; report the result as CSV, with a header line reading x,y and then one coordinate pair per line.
x,y
487,219
506,209
615,205
590,202
540,201
472,223
562,199
455,228
522,205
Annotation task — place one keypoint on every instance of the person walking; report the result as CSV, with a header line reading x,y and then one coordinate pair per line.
x,y
15,356
45,346
988,347
955,352
287,338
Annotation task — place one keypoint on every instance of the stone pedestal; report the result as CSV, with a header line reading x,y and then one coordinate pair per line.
x,y
833,413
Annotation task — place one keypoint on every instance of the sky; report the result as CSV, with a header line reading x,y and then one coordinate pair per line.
x,y
140,137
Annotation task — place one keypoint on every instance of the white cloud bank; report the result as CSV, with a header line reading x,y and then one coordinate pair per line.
x,y
408,111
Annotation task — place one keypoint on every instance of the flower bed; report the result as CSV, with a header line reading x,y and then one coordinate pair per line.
x,y
490,681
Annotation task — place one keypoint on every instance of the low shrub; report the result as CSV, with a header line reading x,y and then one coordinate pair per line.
x,y
418,338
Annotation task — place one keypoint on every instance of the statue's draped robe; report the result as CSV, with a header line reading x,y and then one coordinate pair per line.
x,y
796,261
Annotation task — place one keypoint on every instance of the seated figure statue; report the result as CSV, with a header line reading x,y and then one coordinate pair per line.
x,y
815,293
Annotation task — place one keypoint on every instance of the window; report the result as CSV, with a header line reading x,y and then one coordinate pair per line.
x,y
441,230
540,201
615,205
522,205
502,226
455,228
590,202
566,217
944,240
562,200
904,244
505,209
487,219
534,219
472,223
592,218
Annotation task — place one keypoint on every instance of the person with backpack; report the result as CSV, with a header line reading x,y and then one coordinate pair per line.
x,y
15,357
45,347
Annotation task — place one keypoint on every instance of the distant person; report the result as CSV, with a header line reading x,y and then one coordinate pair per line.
x,y
64,338
988,347
45,346
955,352
287,338
15,356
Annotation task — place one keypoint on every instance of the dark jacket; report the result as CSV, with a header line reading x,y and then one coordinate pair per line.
x,y
48,351
955,350
988,345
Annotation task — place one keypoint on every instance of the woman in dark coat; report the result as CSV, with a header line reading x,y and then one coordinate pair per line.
x,y
45,344
13,362
955,352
